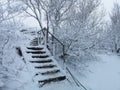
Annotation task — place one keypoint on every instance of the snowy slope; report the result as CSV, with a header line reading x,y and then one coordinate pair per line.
x,y
103,74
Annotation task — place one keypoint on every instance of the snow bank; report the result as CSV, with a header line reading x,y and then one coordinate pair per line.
x,y
1,84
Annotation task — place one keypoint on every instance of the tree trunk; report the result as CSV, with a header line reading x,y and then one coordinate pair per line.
x,y
116,49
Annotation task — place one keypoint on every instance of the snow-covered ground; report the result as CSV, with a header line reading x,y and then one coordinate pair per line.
x,y
103,74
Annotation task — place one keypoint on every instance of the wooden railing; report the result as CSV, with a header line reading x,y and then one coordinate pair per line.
x,y
51,41
77,82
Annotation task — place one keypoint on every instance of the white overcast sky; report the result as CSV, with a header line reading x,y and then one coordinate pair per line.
x,y
108,5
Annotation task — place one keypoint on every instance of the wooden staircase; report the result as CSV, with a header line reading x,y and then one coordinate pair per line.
x,y
41,63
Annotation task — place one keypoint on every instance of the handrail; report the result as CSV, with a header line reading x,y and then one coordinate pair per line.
x,y
75,80
58,41
53,36
48,32
56,38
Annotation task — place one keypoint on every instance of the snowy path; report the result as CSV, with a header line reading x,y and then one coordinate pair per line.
x,y
105,74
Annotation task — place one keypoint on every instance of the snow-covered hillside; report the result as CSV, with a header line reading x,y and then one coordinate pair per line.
x,y
103,74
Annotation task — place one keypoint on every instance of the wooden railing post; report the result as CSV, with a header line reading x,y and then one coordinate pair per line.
x,y
45,37
54,48
63,50
38,38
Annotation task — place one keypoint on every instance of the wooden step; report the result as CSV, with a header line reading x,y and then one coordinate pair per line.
x,y
34,43
49,80
35,48
46,66
45,70
42,61
40,56
36,52
48,72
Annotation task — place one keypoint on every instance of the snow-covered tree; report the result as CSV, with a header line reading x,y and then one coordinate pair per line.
x,y
57,12
115,27
8,10
83,28
33,9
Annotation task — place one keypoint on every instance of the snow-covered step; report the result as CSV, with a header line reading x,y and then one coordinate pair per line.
x,y
29,51
35,39
42,66
35,48
40,56
45,77
42,61
48,72
34,43
45,66
44,70
36,52
51,79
